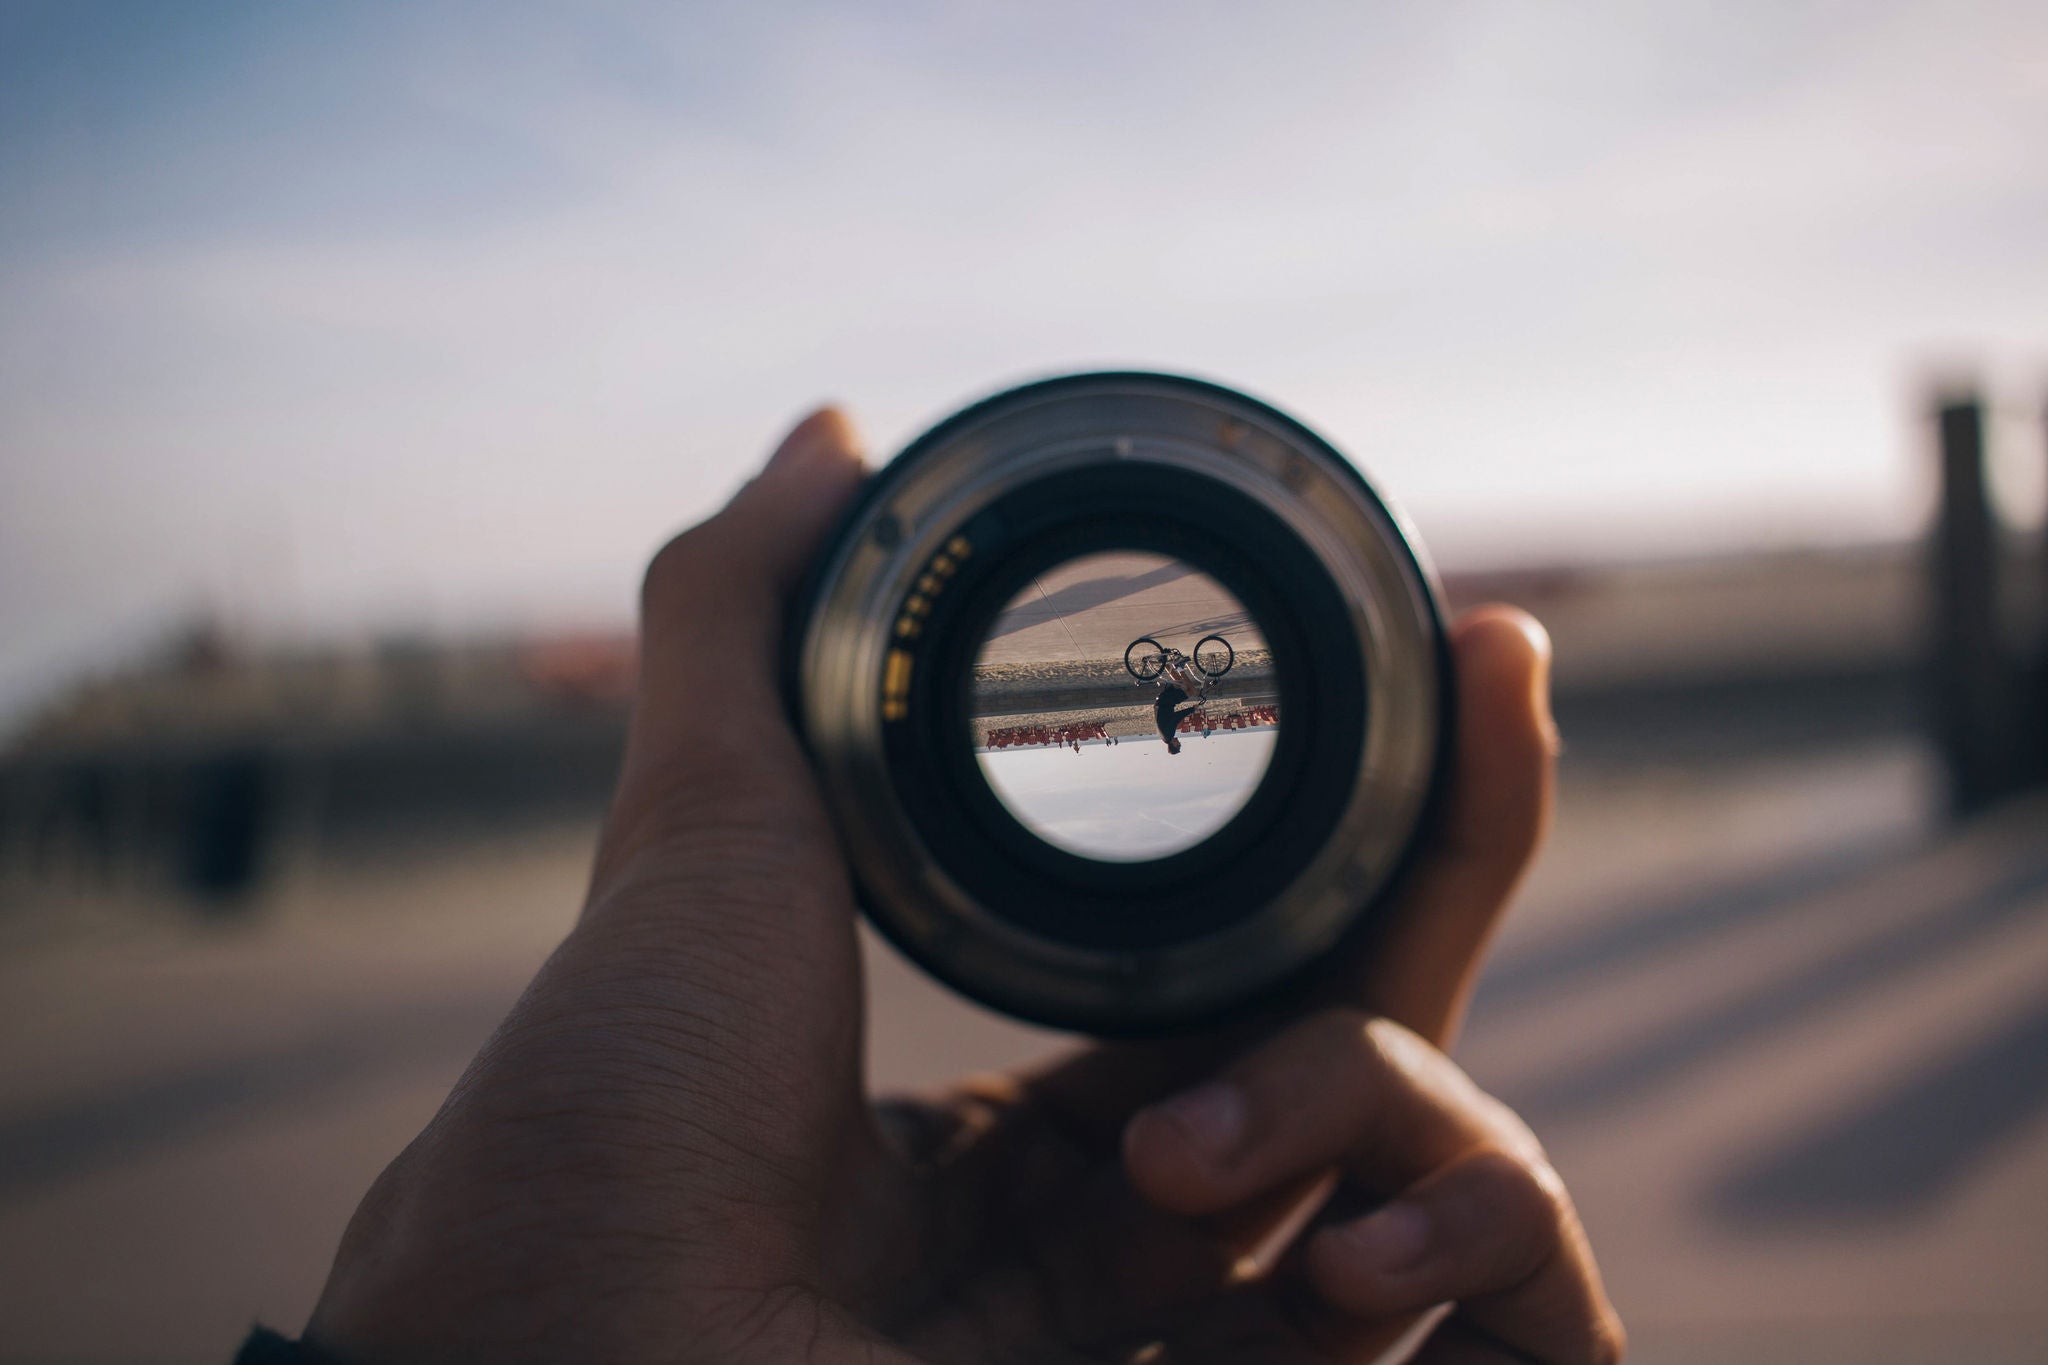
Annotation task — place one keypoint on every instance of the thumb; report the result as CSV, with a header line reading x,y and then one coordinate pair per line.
x,y
782,513
714,600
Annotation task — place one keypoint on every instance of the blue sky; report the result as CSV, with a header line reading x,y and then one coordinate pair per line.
x,y
342,318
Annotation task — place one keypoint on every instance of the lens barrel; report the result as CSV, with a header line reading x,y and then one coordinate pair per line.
x,y
888,675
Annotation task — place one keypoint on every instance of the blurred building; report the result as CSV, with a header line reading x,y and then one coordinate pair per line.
x,y
197,761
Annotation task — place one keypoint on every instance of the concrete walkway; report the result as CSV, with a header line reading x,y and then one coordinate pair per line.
x,y
1789,1048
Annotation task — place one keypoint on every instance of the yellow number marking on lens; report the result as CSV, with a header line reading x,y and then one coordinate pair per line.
x,y
896,685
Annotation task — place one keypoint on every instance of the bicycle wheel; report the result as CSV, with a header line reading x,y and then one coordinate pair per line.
x,y
1214,656
1145,663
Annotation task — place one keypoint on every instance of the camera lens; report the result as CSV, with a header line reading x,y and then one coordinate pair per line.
x,y
1127,693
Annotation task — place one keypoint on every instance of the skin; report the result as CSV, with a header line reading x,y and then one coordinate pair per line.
x,y
666,1151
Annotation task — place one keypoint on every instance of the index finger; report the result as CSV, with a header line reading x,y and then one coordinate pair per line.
x,y
712,607
1481,1218
714,599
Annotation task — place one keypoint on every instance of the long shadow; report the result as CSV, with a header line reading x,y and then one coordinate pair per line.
x,y
1175,633
1660,928
1905,1148
1714,719
110,1130
1774,1006
1093,593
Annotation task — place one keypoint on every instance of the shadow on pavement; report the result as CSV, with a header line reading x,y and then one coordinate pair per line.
x,y
1232,621
152,1115
1903,1149
1774,1006
1075,597
1519,978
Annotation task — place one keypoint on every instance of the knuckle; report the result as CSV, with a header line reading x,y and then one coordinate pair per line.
x,y
1550,1188
1610,1340
1391,1042
1381,1041
1531,1187
1544,1194
1397,1057
1525,1206
1350,1041
1361,1060
1339,1027
1510,1130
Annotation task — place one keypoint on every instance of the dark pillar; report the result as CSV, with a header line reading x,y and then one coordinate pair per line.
x,y
1972,676
2034,695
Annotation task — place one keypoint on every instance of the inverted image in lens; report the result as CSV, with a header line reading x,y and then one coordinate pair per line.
x,y
1124,706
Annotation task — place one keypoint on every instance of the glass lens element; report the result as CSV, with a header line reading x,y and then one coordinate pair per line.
x,y
1124,706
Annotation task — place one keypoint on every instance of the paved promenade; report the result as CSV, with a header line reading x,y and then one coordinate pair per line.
x,y
1788,1045
1092,607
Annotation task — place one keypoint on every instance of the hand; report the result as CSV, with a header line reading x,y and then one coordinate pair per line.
x,y
665,1151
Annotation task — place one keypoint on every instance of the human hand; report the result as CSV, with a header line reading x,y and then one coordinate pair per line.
x,y
665,1152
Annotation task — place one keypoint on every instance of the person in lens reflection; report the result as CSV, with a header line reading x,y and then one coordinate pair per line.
x,y
1176,682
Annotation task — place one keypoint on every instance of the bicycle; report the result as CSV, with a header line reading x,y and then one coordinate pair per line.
x,y
1145,658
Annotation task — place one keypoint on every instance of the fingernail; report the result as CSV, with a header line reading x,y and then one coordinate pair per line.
x,y
1210,1116
1391,1239
821,437
814,470
1539,683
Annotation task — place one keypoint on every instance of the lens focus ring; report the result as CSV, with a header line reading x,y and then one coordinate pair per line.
x,y
1121,462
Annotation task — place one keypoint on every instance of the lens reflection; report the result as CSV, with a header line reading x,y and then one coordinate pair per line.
x,y
1124,706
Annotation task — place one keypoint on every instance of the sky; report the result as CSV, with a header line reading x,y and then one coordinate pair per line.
x,y
1132,800
340,319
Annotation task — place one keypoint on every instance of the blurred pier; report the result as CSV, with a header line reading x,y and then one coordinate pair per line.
x,y
200,769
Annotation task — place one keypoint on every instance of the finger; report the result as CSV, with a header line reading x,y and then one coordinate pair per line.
x,y
707,733
708,748
1421,969
1494,1232
1479,1218
718,906
1340,1089
714,599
